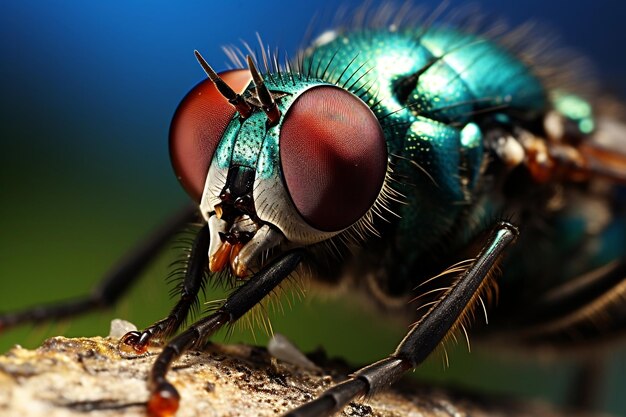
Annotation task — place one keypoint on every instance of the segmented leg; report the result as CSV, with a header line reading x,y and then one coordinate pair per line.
x,y
585,310
195,279
164,398
422,339
113,285
575,294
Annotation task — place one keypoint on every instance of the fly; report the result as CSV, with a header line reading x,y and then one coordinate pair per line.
x,y
417,142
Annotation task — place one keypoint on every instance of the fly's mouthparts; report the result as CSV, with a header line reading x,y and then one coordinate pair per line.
x,y
240,244
219,258
236,237
264,239
219,211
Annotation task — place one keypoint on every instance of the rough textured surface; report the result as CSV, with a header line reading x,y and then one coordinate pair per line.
x,y
70,377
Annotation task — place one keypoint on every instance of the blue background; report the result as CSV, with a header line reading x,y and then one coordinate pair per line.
x,y
87,93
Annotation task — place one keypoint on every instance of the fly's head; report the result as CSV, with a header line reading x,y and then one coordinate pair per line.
x,y
276,163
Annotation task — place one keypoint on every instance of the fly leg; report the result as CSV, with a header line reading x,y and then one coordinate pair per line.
x,y
195,279
591,307
164,398
423,337
581,312
113,285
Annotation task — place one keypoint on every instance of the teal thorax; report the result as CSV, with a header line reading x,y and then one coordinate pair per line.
x,y
428,91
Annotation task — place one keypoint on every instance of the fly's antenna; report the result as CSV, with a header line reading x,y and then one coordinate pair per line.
x,y
233,98
263,93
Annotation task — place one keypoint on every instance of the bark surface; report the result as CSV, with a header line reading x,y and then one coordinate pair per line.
x,y
89,377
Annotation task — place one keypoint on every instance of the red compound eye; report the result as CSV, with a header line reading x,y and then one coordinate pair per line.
x,y
198,126
334,157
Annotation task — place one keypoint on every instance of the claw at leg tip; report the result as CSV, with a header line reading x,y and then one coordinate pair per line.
x,y
130,343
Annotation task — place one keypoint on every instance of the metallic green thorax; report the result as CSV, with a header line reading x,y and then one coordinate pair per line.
x,y
431,91
428,91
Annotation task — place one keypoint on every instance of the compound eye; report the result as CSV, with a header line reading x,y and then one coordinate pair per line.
x,y
334,157
197,128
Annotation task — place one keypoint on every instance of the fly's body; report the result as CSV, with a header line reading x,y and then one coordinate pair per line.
x,y
466,130
436,134
465,138
390,157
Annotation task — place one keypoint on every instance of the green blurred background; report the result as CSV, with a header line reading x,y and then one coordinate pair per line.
x,y
88,90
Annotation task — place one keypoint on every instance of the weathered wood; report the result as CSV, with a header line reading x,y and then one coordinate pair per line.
x,y
88,376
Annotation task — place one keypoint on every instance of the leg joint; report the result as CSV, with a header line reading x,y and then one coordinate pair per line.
x,y
383,373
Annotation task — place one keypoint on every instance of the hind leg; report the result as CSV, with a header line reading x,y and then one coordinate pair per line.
x,y
422,339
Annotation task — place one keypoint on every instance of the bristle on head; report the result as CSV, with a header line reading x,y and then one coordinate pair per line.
x,y
263,94
224,89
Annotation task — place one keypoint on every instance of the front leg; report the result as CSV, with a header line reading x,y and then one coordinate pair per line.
x,y
195,279
164,397
423,337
